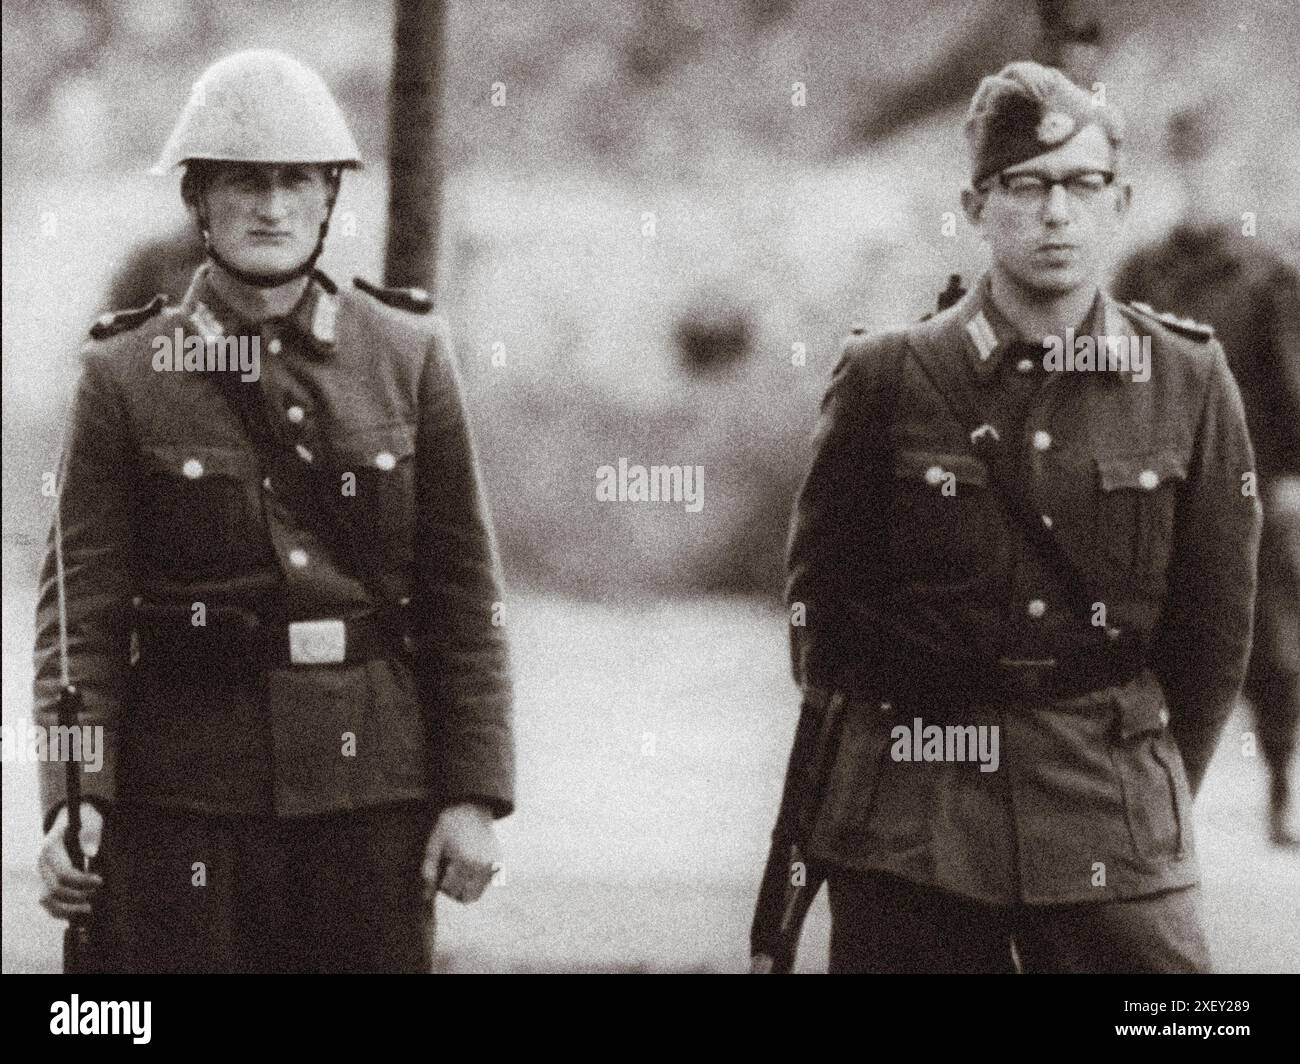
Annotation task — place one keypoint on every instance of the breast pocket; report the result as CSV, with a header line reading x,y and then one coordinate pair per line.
x,y
941,519
1135,516
199,514
377,482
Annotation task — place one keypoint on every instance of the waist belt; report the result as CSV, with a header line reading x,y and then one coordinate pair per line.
x,y
947,682
239,638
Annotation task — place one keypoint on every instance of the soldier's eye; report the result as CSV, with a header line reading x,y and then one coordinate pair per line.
x,y
1024,185
1089,183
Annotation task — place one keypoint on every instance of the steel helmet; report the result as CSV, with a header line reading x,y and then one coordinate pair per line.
x,y
260,106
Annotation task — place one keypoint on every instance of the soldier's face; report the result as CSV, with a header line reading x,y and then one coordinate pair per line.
x,y
1053,239
266,218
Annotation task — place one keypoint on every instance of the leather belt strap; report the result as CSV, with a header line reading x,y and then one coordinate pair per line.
x,y
239,639
948,683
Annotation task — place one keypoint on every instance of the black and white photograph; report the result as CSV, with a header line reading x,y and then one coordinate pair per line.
x,y
645,486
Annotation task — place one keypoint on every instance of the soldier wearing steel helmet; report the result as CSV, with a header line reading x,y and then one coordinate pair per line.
x,y
275,585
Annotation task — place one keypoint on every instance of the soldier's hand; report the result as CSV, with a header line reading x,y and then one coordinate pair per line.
x,y
68,890
463,853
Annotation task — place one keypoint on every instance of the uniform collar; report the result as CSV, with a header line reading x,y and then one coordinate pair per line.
x,y
988,336
313,318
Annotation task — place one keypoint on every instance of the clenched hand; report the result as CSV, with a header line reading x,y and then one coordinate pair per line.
x,y
463,854
68,890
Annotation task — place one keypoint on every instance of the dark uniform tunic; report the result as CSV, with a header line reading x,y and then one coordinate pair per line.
x,y
1252,298
167,502
1142,484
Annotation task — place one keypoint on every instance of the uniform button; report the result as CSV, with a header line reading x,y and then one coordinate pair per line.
x,y
303,453
1149,479
1036,608
1042,440
298,557
934,475
1164,717
1047,521
385,460
1025,365
266,483
274,346
295,414
1114,633
192,468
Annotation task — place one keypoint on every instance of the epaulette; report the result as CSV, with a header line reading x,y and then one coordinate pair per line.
x,y
416,300
120,321
1193,330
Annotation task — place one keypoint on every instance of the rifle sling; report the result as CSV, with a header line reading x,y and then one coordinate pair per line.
x,y
1011,499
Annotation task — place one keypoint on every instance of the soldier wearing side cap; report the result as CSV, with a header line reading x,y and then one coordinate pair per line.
x,y
1206,267
277,592
990,538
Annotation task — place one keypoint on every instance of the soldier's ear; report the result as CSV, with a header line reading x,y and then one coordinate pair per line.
x,y
972,203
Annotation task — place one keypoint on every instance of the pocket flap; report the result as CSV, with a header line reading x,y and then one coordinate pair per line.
x,y
1143,472
194,461
933,467
1141,707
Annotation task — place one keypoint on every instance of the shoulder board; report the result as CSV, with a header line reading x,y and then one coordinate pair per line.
x,y
1193,330
416,300
121,321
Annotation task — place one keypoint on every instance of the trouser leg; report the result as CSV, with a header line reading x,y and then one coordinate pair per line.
x,y
885,924
1275,702
185,892
1158,933
364,908
1273,678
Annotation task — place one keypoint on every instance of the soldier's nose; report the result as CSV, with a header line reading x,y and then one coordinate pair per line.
x,y
1056,208
272,203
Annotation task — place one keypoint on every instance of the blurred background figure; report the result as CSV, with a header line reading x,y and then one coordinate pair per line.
x,y
163,265
1212,267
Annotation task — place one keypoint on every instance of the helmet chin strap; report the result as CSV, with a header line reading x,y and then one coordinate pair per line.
x,y
283,277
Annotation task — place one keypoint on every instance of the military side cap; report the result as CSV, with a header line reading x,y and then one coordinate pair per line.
x,y
120,321
1193,330
416,300
1026,110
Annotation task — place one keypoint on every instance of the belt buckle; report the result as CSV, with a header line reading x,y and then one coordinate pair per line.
x,y
322,642
1026,673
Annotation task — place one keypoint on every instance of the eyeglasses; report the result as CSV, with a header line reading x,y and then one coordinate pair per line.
x,y
1032,186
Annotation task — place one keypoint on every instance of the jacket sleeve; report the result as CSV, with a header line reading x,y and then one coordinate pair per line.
x,y
835,552
93,501
1205,635
458,601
